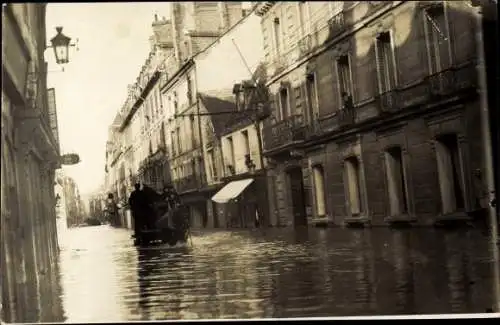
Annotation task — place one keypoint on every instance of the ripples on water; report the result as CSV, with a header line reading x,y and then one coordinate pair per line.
x,y
274,273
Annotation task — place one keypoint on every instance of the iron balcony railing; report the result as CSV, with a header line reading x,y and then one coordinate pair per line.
x,y
186,184
285,132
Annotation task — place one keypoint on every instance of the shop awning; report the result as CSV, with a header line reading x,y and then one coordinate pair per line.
x,y
231,190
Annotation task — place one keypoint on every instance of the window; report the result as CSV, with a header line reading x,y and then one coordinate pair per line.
x,y
175,102
189,91
246,142
437,38
384,52
211,164
344,77
192,131
277,35
179,142
157,101
172,143
352,178
169,105
396,182
451,180
241,100
319,190
230,148
163,141
160,103
186,49
312,97
284,103
302,17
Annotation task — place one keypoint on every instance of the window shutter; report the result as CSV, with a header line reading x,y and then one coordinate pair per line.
x,y
291,99
275,105
299,100
392,61
444,49
379,66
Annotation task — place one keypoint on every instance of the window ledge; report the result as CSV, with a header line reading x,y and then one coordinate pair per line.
x,y
357,221
454,219
402,220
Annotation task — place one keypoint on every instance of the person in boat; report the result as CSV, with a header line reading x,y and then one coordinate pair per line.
x,y
138,202
152,207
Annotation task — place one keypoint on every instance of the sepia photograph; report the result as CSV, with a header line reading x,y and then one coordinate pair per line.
x,y
209,161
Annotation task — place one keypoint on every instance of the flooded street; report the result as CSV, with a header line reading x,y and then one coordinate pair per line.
x,y
274,273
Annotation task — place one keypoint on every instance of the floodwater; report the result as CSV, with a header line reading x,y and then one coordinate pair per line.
x,y
274,273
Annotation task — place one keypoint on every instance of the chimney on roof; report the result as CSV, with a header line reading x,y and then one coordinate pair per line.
x,y
162,32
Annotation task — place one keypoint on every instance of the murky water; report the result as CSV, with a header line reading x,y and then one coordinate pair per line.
x,y
274,273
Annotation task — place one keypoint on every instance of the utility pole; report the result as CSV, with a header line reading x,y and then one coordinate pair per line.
x,y
487,151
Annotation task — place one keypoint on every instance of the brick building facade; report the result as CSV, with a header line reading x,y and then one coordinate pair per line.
x,y
376,113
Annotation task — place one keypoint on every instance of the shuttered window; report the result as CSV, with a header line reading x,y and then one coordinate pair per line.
x,y
312,97
437,38
344,76
385,62
284,103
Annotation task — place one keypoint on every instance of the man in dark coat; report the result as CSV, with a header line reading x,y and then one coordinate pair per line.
x,y
138,203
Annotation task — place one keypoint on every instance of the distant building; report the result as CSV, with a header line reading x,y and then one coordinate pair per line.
x,y
143,128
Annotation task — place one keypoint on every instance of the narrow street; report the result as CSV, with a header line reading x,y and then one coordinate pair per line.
x,y
273,273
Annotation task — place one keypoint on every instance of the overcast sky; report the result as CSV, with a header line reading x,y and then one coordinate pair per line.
x,y
113,46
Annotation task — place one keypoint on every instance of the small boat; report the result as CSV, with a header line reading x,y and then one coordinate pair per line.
x,y
171,226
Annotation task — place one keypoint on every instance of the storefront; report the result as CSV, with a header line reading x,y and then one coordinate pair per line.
x,y
242,202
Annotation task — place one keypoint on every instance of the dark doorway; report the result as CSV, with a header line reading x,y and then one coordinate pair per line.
x,y
298,196
215,214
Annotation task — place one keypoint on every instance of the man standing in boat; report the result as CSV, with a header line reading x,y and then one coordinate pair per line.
x,y
138,206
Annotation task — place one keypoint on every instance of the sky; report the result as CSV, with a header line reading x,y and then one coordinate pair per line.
x,y
112,47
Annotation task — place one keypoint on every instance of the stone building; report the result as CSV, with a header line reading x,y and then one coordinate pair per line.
x,y
244,173
30,155
198,99
138,151
375,112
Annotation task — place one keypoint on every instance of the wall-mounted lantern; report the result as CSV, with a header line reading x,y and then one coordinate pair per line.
x,y
60,44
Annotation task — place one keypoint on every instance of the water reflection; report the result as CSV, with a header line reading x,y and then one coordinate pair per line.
x,y
275,273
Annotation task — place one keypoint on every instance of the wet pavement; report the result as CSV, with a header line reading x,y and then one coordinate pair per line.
x,y
274,273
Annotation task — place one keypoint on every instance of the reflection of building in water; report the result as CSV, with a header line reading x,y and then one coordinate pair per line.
x,y
237,285
459,275
163,282
365,271
403,273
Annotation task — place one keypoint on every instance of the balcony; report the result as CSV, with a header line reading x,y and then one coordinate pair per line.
x,y
186,184
346,117
305,45
452,80
388,102
279,64
337,24
284,133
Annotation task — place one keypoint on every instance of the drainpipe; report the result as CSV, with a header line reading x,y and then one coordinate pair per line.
x,y
487,154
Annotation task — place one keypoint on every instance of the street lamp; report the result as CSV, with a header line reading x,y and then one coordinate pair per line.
x,y
60,44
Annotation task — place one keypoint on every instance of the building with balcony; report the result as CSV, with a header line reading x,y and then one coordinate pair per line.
x,y
375,111
145,127
30,156
136,143
243,201
194,96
